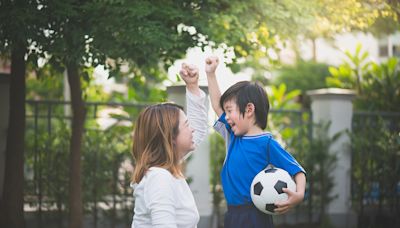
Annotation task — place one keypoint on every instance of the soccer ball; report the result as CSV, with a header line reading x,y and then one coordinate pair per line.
x,y
266,188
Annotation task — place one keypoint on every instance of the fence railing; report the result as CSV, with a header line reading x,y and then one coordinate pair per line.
x,y
107,164
376,163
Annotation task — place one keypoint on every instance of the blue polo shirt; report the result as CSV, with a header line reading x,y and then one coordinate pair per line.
x,y
246,156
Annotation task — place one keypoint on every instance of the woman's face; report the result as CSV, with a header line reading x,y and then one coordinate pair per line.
x,y
184,140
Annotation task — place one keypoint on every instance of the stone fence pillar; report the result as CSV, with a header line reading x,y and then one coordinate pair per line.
x,y
335,106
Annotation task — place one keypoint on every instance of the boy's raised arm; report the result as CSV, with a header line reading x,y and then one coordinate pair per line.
x,y
213,88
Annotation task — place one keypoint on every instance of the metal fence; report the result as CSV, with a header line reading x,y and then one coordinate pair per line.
x,y
106,163
376,167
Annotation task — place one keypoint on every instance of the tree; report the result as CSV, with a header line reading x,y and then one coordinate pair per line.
x,y
256,39
377,85
76,34
389,23
18,28
303,76
358,15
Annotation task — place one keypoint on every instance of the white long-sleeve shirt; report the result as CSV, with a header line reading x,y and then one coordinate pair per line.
x,y
196,112
162,200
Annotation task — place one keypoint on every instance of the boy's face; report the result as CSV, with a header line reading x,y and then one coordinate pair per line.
x,y
240,124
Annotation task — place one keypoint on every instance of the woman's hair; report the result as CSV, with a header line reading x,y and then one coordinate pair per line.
x,y
156,128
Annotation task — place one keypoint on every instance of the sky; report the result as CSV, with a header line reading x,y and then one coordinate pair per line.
x,y
195,56
331,53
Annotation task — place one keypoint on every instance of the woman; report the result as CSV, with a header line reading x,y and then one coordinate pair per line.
x,y
163,136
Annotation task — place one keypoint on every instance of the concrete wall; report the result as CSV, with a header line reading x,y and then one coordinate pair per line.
x,y
335,106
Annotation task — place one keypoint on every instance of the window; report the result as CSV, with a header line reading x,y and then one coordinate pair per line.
x,y
396,50
383,51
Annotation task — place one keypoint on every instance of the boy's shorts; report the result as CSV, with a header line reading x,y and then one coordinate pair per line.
x,y
246,216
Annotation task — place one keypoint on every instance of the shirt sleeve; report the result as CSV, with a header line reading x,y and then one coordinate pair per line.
x,y
197,115
160,200
223,128
280,158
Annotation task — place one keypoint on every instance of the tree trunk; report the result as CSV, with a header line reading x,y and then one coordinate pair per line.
x,y
314,49
78,120
12,200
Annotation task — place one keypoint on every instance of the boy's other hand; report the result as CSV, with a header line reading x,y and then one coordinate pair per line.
x,y
211,64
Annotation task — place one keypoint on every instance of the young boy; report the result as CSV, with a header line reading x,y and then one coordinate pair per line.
x,y
242,112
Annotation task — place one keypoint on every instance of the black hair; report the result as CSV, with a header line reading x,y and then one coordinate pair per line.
x,y
246,92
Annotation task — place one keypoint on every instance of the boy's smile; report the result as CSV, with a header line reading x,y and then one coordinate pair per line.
x,y
238,122
241,123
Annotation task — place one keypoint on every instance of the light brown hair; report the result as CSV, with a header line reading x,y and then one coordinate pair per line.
x,y
156,128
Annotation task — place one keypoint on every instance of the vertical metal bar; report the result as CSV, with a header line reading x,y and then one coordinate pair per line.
x,y
310,127
96,166
37,169
40,184
311,184
301,127
49,119
35,149
95,111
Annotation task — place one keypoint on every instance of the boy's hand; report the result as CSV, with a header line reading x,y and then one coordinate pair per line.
x,y
190,75
211,64
213,88
294,198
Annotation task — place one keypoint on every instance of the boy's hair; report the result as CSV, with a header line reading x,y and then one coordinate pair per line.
x,y
245,92
156,128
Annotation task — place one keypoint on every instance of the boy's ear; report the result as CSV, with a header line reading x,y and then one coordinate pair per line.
x,y
250,108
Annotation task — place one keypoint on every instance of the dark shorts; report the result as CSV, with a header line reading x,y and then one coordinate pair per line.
x,y
246,216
